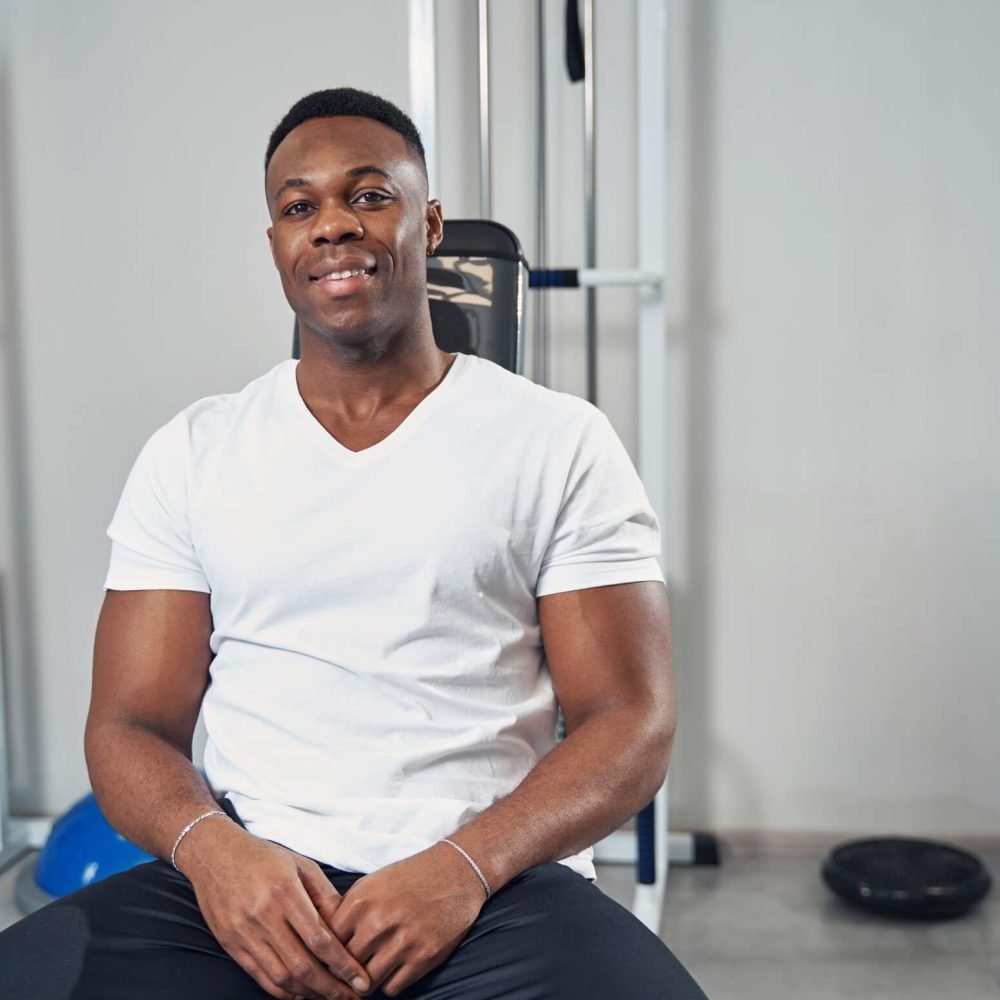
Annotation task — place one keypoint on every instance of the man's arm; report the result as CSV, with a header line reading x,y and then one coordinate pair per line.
x,y
608,650
151,660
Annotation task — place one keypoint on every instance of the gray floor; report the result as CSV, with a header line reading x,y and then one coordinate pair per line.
x,y
764,928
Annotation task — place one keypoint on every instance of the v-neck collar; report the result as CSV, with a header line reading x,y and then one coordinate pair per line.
x,y
432,401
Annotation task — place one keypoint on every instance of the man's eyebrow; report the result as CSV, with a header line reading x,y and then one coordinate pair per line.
x,y
368,168
292,182
299,182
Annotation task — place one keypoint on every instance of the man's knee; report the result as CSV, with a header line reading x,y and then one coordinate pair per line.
x,y
43,954
136,933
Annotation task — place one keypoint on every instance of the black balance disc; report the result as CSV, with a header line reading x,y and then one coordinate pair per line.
x,y
907,877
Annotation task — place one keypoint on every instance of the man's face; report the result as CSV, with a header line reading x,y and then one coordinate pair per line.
x,y
346,194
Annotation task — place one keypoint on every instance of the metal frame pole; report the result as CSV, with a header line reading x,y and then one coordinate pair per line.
x,y
589,183
423,84
540,361
651,90
485,184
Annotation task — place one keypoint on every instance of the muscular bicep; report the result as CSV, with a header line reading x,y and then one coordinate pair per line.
x,y
608,647
151,660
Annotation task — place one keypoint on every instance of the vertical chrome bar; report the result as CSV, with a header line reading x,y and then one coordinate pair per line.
x,y
485,186
423,84
16,609
4,790
651,177
522,285
540,361
589,181
9,481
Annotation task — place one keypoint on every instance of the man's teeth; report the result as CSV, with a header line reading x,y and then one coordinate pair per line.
x,y
339,275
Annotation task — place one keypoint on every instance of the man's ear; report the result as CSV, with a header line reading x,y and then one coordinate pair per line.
x,y
270,240
435,225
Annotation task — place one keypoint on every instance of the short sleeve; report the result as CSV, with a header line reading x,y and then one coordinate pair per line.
x,y
151,547
606,531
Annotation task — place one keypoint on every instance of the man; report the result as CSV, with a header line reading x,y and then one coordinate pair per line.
x,y
375,570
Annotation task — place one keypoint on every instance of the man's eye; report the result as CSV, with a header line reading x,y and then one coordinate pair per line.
x,y
296,208
372,197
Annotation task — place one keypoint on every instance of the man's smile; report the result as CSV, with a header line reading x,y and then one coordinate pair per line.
x,y
338,278
338,284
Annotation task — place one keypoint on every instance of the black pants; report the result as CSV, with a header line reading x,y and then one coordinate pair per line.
x,y
139,935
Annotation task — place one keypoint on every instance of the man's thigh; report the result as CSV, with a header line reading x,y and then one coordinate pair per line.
x,y
138,935
549,935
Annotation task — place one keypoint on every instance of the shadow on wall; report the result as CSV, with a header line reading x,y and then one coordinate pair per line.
x,y
692,334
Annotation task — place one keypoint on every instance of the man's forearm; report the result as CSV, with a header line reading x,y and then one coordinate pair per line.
x,y
146,786
600,775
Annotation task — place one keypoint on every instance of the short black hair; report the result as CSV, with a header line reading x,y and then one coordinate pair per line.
x,y
346,101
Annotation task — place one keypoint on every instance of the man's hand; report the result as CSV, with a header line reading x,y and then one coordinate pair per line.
x,y
271,910
407,918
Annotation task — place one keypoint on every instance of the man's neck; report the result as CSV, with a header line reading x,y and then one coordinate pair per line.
x,y
357,383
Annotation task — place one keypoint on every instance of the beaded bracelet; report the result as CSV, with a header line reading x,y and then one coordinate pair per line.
x,y
475,867
188,829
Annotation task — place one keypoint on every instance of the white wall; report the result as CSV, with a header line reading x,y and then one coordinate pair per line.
x,y
836,327
834,359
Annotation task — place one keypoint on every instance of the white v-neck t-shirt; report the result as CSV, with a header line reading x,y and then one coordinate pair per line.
x,y
379,677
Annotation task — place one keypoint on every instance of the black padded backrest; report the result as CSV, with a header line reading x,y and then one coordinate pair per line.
x,y
476,282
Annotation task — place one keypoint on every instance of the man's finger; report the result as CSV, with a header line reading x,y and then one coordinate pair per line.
x,y
380,967
403,977
323,895
291,967
316,935
253,968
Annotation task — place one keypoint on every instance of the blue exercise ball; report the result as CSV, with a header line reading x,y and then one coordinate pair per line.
x,y
81,848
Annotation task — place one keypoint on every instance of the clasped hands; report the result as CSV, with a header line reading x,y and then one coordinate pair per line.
x,y
278,916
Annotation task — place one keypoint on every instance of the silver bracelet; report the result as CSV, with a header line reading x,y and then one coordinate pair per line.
x,y
475,867
188,829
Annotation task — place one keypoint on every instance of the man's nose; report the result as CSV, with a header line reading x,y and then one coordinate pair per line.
x,y
334,222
